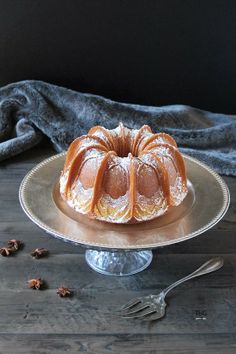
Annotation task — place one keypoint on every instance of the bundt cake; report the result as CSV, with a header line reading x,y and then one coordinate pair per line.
x,y
123,175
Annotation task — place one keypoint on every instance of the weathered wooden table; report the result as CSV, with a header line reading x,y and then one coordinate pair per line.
x,y
201,317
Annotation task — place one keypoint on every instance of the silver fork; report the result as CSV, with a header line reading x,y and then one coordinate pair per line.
x,y
153,307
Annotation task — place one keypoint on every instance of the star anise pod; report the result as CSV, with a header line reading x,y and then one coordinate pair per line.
x,y
63,292
35,283
15,244
39,253
6,251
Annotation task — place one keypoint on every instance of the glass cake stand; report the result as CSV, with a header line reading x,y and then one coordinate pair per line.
x,y
116,249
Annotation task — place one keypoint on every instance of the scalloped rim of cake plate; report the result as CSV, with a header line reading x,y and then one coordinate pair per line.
x,y
204,206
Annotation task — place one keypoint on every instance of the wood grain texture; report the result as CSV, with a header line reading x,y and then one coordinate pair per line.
x,y
201,317
122,344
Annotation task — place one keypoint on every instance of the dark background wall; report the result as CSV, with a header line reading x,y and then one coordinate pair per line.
x,y
153,52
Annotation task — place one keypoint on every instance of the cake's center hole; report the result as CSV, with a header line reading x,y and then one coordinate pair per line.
x,y
124,150
125,147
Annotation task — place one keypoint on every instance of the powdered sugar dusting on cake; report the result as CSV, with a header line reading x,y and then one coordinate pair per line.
x,y
134,174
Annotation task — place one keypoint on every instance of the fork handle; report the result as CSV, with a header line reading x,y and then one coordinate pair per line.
x,y
210,266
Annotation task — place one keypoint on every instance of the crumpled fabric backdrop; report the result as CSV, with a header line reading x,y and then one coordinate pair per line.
x,y
29,109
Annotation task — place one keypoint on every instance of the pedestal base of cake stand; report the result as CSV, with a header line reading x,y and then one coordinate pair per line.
x,y
118,263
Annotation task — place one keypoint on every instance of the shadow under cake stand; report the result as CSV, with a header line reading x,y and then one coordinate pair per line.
x,y
116,249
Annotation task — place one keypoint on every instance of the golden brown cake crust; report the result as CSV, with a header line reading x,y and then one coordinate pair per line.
x,y
123,175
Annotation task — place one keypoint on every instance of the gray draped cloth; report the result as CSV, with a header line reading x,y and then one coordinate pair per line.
x,y
31,109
